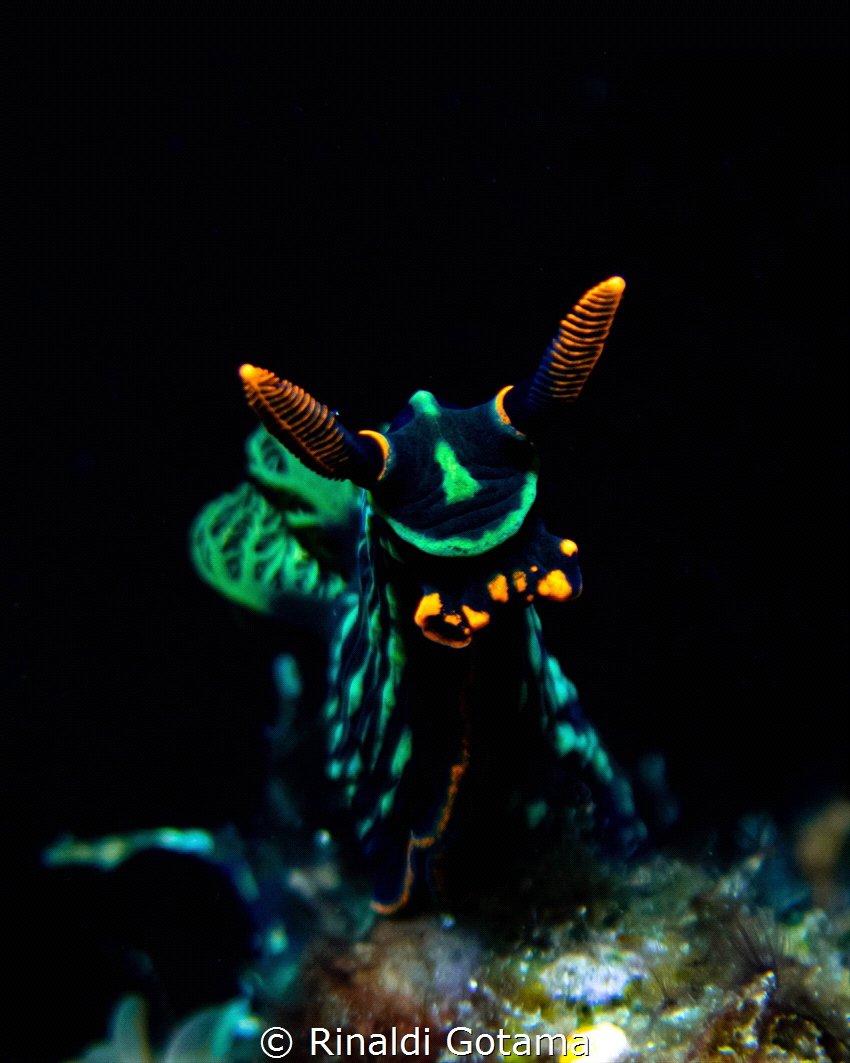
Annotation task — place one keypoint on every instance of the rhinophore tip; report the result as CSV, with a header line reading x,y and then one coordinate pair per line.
x,y
310,431
249,373
574,351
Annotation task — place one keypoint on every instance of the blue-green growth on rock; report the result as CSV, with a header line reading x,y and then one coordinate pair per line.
x,y
455,739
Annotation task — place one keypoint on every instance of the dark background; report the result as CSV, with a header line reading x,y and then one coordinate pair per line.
x,y
411,199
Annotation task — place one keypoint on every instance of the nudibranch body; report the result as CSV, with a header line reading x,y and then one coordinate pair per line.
x,y
455,738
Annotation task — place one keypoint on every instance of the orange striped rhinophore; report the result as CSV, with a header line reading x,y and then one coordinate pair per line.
x,y
297,420
574,351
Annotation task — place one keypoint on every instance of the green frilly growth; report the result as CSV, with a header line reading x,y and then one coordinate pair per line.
x,y
275,540
308,499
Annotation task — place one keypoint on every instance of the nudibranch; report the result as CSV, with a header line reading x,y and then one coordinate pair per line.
x,y
453,735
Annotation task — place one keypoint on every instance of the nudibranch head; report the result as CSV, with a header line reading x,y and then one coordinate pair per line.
x,y
457,485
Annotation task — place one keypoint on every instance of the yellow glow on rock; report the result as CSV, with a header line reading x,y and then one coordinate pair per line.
x,y
603,1043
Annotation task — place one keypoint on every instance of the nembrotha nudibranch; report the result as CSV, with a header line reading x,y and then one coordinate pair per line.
x,y
454,736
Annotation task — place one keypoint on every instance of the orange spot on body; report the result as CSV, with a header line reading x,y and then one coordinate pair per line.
x,y
520,580
474,618
498,588
555,586
444,640
568,547
429,605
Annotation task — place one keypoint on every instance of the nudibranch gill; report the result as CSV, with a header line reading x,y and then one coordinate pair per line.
x,y
453,735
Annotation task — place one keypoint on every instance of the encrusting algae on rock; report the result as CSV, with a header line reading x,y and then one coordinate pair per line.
x,y
682,971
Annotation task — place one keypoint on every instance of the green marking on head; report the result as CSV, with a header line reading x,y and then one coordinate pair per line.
x,y
457,483
467,545
425,403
